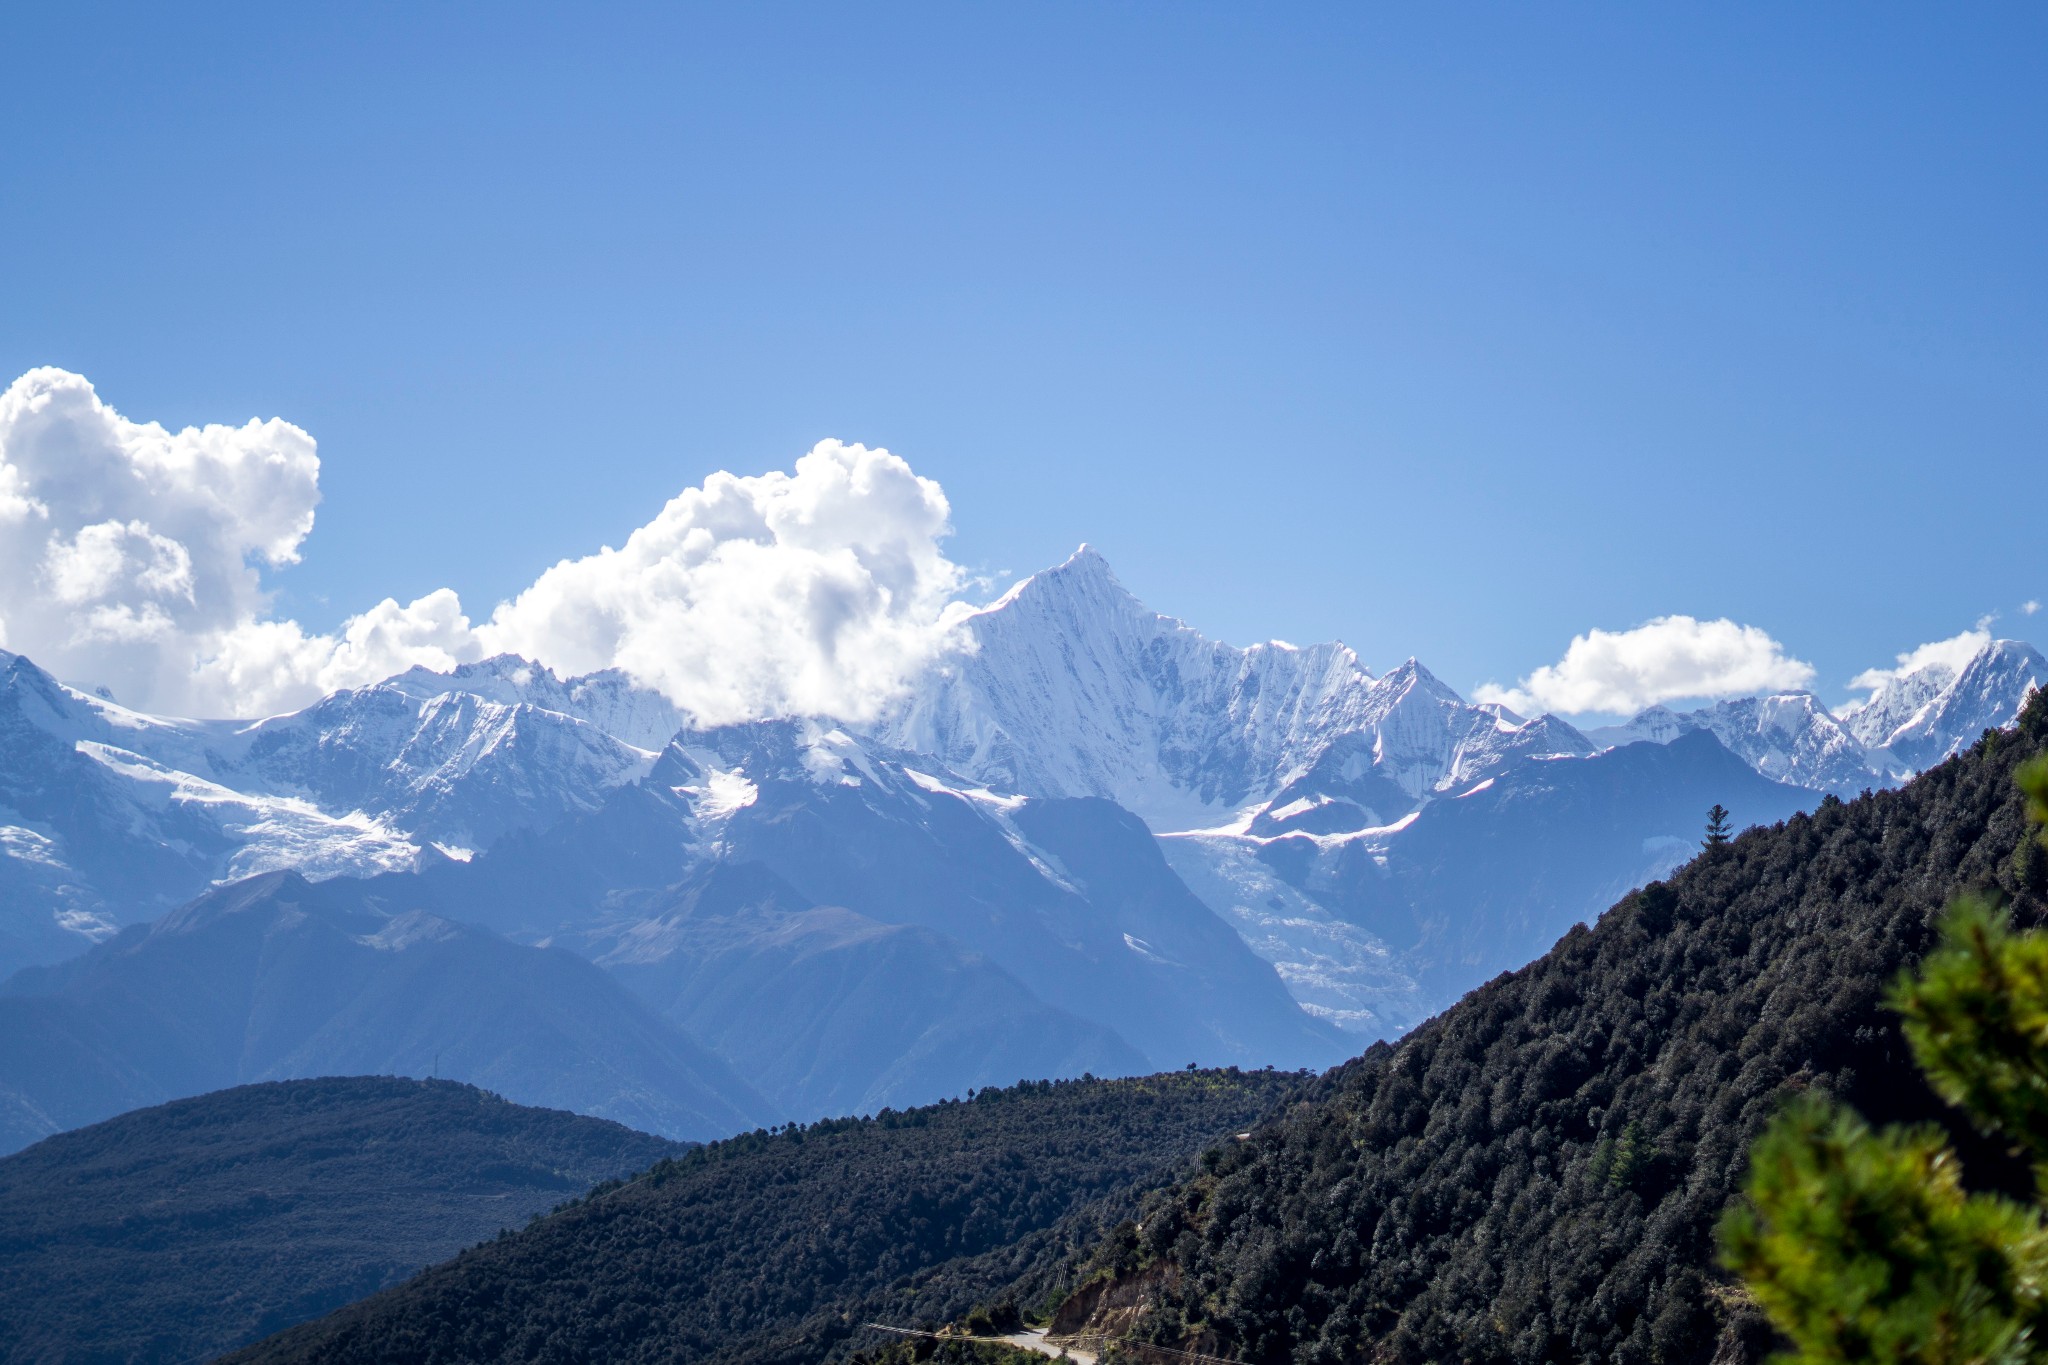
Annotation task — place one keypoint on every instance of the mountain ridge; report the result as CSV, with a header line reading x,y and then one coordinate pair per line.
x,y
277,978
180,1231
1073,687
777,1247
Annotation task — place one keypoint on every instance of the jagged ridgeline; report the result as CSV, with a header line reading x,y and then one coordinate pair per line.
x,y
778,1246
1535,1175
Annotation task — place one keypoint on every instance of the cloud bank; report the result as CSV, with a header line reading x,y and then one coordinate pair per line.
x,y
1671,657
134,557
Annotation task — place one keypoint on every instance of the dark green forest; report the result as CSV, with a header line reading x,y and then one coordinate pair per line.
x,y
1536,1174
180,1231
775,1247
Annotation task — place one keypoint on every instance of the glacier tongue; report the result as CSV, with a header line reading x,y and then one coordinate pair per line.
x,y
1334,969
260,833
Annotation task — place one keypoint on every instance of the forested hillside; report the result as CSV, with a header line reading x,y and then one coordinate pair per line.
x,y
777,1246
178,1232
1535,1175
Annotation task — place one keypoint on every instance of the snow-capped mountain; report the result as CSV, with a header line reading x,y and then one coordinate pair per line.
x,y
450,766
108,815
1074,687
457,758
1071,895
1909,724
608,701
1422,742
1037,938
1064,908
95,832
1788,737
1926,715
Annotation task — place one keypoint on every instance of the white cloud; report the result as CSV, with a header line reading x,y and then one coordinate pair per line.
x,y
263,666
133,557
2029,607
1950,654
102,557
818,592
128,551
1665,659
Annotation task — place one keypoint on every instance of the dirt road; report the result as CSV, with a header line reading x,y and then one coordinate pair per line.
x,y
1035,1341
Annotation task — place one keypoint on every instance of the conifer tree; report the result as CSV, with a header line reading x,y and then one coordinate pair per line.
x,y
1717,827
1863,1245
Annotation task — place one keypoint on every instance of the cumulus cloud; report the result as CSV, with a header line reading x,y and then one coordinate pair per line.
x,y
127,551
2029,607
134,557
817,592
1662,660
1950,654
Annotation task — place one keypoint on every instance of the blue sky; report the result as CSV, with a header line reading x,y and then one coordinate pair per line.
x,y
1449,333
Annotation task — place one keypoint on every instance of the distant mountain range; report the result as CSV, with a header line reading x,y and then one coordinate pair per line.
x,y
1909,724
1067,932
1093,841
275,977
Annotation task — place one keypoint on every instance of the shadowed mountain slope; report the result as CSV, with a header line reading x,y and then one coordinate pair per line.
x,y
175,1233
828,1012
276,977
1475,884
1072,899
